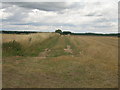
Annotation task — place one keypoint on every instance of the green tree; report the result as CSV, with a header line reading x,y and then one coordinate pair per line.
x,y
58,31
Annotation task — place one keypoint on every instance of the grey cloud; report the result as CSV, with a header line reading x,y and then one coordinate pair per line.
x,y
46,6
17,17
119,9
105,26
45,24
94,14
4,5
18,14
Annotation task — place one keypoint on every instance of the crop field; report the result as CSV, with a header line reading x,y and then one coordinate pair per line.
x,y
49,60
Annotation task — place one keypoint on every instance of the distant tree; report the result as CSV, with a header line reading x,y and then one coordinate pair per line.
x,y
66,33
58,31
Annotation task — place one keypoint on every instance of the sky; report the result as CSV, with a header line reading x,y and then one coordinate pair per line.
x,y
95,16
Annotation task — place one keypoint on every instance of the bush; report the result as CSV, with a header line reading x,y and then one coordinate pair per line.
x,y
12,48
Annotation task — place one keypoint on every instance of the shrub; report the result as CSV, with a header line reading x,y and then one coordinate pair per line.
x,y
12,48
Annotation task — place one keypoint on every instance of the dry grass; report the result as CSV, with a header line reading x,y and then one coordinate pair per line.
x,y
93,63
26,38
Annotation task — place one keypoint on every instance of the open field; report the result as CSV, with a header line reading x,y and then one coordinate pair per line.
x,y
48,60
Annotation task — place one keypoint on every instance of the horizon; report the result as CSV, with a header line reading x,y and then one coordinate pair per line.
x,y
54,32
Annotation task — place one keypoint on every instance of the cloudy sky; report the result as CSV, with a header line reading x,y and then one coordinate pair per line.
x,y
97,17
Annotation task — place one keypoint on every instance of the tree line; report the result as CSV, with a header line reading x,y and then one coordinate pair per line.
x,y
61,33
92,34
17,32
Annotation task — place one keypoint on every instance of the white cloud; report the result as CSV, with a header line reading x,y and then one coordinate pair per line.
x,y
4,15
74,16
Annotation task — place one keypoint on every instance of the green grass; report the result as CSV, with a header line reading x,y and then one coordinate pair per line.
x,y
36,48
12,48
58,48
56,44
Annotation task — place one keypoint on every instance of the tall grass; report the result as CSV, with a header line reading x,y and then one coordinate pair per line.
x,y
12,48
28,45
